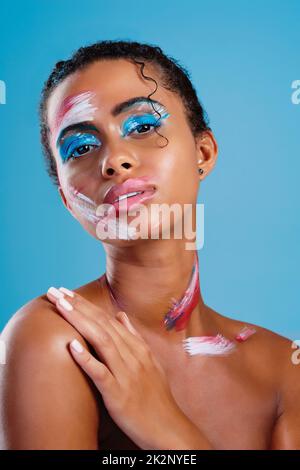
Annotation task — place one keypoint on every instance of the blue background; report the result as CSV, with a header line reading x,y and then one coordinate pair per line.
x,y
243,57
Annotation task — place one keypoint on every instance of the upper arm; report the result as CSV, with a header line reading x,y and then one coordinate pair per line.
x,y
46,400
286,432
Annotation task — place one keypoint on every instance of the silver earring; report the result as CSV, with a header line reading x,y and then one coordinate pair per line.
x,y
201,171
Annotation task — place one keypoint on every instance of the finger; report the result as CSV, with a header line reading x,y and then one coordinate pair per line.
x,y
80,305
100,339
122,316
97,371
123,341
77,300
93,312
125,328
53,294
140,348
66,291
90,310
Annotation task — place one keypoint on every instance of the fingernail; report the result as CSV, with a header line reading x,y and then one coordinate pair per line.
x,y
66,291
126,316
121,314
55,292
76,346
65,304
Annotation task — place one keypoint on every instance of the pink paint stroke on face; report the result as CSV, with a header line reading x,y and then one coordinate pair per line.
x,y
74,109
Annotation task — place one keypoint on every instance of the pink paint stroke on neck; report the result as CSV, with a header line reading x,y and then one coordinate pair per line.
x,y
180,312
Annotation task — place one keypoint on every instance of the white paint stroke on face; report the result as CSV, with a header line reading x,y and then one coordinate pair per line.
x,y
115,228
85,206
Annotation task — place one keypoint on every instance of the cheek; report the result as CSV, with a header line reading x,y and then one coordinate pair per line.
x,y
83,208
81,199
178,173
72,178
81,195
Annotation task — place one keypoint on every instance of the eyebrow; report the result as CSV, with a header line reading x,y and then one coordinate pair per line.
x,y
125,105
117,109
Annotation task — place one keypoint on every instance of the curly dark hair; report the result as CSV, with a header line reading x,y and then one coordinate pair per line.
x,y
174,77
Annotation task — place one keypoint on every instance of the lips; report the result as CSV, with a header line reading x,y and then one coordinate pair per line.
x,y
125,194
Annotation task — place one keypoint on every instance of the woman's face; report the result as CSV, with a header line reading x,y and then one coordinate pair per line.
x,y
96,145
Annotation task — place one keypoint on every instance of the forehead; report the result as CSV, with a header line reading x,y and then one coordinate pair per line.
x,y
111,82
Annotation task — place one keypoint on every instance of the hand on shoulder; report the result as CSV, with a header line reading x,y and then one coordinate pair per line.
x,y
47,401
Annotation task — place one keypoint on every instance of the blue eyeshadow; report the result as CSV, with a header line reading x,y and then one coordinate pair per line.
x,y
71,144
133,122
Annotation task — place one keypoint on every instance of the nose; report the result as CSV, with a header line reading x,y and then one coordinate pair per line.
x,y
118,164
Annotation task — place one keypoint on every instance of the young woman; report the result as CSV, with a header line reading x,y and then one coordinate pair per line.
x,y
121,125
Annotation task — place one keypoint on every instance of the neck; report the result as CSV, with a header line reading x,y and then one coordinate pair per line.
x,y
157,284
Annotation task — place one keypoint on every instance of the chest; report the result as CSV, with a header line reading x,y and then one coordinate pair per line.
x,y
227,402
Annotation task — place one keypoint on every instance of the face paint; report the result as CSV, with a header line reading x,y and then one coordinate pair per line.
x,y
77,145
208,345
133,123
180,311
85,206
113,227
215,345
77,109
179,315
74,109
245,333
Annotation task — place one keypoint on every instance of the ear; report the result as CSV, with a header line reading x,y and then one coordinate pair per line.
x,y
65,202
207,152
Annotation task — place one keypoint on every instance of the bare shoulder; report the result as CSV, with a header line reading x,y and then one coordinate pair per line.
x,y
265,351
38,325
38,321
54,388
272,361
263,337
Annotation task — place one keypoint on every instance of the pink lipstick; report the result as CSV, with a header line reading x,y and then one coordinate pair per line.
x,y
131,193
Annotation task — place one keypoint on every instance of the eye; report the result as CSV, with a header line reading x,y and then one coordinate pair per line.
x,y
141,124
78,145
82,150
142,128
